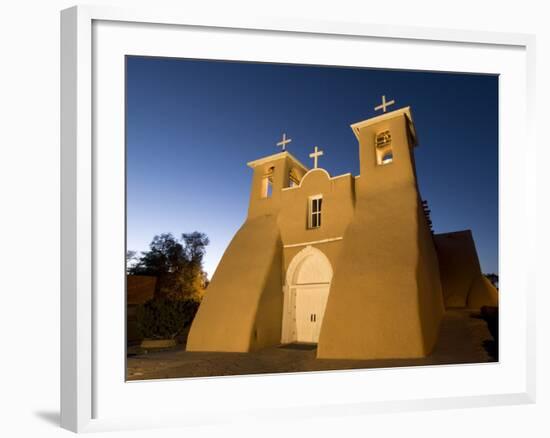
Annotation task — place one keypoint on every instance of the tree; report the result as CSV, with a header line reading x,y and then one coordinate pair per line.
x,y
195,246
162,318
177,264
131,259
493,278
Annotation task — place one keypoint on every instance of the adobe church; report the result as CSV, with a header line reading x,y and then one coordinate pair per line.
x,y
347,262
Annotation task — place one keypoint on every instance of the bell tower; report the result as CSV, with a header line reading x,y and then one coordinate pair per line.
x,y
271,175
386,156
388,264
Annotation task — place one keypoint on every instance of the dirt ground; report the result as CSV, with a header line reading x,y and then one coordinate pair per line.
x,y
463,338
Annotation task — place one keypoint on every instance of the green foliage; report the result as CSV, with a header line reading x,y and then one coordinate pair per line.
x,y
163,318
493,278
177,264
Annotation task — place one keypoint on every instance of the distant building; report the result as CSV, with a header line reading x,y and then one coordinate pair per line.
x,y
139,289
347,262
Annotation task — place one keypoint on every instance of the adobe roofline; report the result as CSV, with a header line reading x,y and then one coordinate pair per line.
x,y
355,127
455,233
277,156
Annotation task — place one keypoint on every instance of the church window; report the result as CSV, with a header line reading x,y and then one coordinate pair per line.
x,y
293,179
267,184
384,153
315,205
293,182
387,158
267,187
383,139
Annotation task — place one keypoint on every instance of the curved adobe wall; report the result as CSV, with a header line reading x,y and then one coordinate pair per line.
x,y
482,293
241,310
463,283
385,299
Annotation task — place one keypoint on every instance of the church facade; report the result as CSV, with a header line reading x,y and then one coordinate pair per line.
x,y
347,262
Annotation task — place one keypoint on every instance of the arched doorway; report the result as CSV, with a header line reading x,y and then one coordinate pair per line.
x,y
305,296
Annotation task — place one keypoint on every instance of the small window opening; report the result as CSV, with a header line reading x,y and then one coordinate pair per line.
x,y
267,187
384,152
387,158
384,157
267,184
315,206
383,139
294,180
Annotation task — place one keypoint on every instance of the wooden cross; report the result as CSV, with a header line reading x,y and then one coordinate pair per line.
x,y
315,155
384,104
284,142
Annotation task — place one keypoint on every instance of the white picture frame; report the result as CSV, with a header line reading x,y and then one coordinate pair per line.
x,y
91,389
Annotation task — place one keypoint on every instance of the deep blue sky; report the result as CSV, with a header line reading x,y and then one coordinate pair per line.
x,y
193,125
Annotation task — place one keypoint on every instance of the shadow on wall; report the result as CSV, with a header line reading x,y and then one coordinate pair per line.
x,y
461,278
430,295
299,347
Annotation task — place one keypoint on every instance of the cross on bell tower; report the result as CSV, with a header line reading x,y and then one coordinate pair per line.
x,y
284,142
383,106
315,155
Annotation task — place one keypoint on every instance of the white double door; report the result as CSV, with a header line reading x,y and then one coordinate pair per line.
x,y
311,301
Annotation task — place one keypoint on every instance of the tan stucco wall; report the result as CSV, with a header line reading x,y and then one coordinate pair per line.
x,y
241,310
338,210
482,293
338,204
385,299
461,278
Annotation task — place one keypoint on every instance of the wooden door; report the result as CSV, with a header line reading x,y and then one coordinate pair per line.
x,y
311,302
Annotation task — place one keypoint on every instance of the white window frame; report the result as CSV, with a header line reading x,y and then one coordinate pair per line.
x,y
311,213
